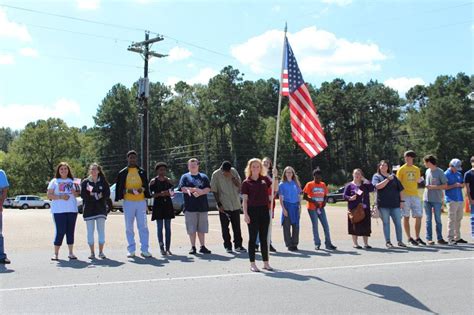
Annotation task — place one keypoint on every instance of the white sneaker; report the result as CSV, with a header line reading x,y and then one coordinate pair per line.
x,y
131,255
146,254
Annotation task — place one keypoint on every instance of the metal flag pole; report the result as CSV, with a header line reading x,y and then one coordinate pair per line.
x,y
275,154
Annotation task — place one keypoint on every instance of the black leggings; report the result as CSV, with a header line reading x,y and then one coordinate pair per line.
x,y
259,221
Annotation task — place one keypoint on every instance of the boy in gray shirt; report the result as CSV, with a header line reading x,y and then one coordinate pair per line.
x,y
435,183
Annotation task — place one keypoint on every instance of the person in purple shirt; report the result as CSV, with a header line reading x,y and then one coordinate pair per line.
x,y
357,192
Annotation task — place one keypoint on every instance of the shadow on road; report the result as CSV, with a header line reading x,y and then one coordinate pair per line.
x,y
106,262
152,261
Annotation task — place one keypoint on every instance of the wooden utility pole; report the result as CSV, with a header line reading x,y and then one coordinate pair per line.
x,y
143,48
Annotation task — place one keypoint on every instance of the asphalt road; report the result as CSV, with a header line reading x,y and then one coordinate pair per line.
x,y
434,279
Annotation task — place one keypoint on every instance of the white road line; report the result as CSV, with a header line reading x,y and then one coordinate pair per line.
x,y
78,285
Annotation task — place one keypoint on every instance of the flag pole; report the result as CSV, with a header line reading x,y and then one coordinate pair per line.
x,y
275,153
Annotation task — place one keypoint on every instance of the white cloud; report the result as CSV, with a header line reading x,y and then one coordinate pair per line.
x,y
88,4
341,3
318,52
16,116
29,52
403,84
202,77
9,29
178,53
6,59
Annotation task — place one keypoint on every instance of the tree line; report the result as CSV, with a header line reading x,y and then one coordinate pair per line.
x,y
234,119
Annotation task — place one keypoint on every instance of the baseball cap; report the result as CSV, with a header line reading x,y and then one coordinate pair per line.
x,y
456,163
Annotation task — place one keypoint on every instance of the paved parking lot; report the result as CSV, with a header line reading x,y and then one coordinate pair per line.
x,y
436,279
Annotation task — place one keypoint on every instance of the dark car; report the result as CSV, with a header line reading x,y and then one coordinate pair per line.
x,y
178,202
336,196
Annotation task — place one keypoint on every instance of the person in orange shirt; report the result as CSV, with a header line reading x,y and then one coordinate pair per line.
x,y
315,193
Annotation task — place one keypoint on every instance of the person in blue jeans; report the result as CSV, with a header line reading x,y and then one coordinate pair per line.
x,y
435,183
290,190
4,185
315,193
389,201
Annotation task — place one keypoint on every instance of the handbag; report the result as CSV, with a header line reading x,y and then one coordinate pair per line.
x,y
357,214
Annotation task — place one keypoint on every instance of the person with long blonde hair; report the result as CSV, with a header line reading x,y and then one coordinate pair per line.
x,y
256,212
289,191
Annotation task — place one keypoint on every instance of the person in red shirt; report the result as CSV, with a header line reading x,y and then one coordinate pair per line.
x,y
315,193
256,211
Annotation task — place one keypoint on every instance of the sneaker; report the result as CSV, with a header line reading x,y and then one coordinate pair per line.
x,y
292,248
420,241
241,249
256,248
193,250
401,244
430,242
229,250
442,242
204,250
452,242
102,255
169,253
91,256
414,242
389,245
5,261
272,249
131,255
331,247
162,252
295,248
317,247
146,254
461,241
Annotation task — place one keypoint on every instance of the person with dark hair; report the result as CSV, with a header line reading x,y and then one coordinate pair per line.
x,y
4,185
409,176
435,183
162,191
95,192
225,185
389,200
454,201
357,192
315,193
63,192
469,185
195,187
132,187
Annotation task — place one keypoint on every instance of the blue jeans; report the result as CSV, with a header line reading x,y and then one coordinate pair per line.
x,y
135,210
429,218
2,249
159,231
65,226
90,224
315,216
396,216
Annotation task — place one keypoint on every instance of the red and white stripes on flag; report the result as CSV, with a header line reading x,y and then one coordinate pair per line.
x,y
306,128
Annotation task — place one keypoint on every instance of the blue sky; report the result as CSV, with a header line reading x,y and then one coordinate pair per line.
x,y
48,69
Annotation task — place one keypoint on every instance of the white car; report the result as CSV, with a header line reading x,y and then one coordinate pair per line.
x,y
30,201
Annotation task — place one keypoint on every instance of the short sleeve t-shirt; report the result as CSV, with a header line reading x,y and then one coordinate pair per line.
x,y
389,196
191,203
469,180
453,194
63,187
409,176
316,191
133,181
290,191
256,190
435,177
3,180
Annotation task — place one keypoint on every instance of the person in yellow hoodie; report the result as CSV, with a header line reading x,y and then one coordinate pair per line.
x,y
409,175
132,187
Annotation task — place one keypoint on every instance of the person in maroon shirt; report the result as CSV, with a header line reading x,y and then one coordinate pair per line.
x,y
256,212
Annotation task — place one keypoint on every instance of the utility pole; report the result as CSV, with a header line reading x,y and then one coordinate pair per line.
x,y
143,48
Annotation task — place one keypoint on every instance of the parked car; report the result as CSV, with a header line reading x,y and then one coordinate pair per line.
x,y
30,201
178,202
8,203
336,196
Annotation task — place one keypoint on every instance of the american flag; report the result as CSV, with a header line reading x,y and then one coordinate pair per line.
x,y
306,129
